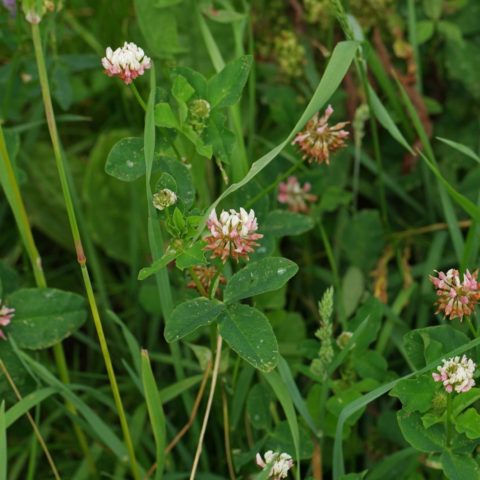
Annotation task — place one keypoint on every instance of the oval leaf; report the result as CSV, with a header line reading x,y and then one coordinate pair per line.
x,y
266,275
248,332
45,316
190,315
126,160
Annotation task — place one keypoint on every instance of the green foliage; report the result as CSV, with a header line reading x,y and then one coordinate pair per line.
x,y
248,333
333,367
44,317
266,275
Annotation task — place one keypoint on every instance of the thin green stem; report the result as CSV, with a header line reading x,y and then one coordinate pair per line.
x,y
138,96
448,420
59,160
197,282
216,369
14,197
336,277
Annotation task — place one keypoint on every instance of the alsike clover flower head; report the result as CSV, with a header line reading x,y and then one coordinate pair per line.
x,y
233,234
456,374
127,62
456,297
296,196
318,140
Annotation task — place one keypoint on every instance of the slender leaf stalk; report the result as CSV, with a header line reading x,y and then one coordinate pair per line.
x,y
216,368
59,160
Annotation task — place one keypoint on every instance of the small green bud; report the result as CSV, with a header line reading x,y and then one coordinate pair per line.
x,y
164,198
199,110
343,339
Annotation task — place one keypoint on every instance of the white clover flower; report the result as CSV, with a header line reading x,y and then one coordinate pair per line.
x,y
127,62
280,463
164,198
456,374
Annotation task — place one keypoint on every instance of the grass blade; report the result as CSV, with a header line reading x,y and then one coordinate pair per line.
x,y
283,396
155,412
460,148
3,443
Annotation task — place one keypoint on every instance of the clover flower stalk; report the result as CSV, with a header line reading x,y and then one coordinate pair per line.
x,y
456,374
206,276
456,297
127,62
233,234
280,464
6,315
294,195
318,140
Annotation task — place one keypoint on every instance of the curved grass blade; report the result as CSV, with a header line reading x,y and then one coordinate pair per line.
x,y
155,413
296,396
104,433
26,403
283,396
460,148
337,67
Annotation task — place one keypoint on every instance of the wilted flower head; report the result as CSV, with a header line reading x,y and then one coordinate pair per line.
x,y
280,463
294,195
199,110
318,139
456,298
456,374
205,276
6,315
233,234
127,62
163,199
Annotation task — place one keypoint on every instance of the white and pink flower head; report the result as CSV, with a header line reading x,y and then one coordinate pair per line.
x,y
318,140
127,62
456,374
6,315
456,298
280,464
294,195
232,235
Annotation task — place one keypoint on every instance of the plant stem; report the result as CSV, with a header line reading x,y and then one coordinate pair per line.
x,y
216,368
448,420
226,436
14,197
138,96
59,160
